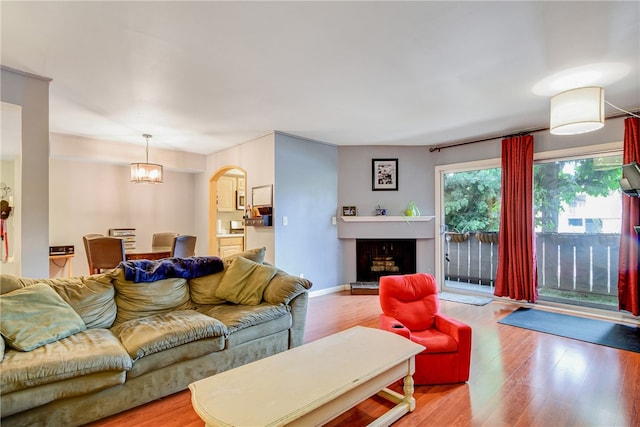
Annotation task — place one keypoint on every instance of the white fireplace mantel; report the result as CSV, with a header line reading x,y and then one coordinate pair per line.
x,y
385,218
386,227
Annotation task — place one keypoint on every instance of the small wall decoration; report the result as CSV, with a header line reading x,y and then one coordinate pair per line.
x,y
349,211
384,174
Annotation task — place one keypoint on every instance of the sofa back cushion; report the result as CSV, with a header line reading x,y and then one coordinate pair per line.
x,y
93,298
36,315
136,300
203,289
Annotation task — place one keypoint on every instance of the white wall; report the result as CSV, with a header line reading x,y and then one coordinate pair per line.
x,y
257,158
90,192
89,197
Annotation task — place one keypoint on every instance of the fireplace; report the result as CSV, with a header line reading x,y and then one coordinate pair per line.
x,y
384,257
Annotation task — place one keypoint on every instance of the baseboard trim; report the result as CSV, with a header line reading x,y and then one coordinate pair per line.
x,y
327,291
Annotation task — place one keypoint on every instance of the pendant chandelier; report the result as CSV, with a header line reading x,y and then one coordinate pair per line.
x,y
146,172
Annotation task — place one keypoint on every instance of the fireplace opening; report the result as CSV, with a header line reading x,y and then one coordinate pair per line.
x,y
384,257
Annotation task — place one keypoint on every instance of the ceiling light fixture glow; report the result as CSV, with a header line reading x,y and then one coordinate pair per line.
x,y
600,74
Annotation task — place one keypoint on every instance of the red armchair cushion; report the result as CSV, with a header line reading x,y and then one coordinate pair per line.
x,y
411,299
435,341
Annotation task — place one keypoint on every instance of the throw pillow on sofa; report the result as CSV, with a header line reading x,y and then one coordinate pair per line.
x,y
203,289
255,255
244,282
35,316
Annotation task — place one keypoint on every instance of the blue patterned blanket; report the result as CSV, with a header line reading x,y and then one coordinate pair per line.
x,y
143,270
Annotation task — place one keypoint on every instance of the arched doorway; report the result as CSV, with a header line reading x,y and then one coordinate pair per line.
x,y
238,190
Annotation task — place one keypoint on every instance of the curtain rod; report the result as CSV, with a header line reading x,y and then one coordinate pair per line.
x,y
521,133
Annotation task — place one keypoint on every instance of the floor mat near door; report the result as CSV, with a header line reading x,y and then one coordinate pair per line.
x,y
595,331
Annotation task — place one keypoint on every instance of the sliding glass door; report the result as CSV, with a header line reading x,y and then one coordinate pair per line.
x,y
471,201
578,210
577,214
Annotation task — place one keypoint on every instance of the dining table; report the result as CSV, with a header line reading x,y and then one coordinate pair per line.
x,y
151,254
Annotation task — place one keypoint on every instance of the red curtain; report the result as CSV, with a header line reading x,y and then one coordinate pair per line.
x,y
517,275
628,287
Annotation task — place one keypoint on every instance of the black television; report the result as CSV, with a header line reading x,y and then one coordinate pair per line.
x,y
630,183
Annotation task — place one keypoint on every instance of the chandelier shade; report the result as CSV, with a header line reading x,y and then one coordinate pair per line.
x,y
577,111
150,173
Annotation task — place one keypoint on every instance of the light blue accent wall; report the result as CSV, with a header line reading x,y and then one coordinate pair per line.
x,y
306,193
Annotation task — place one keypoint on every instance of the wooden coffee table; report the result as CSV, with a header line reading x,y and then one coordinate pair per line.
x,y
312,384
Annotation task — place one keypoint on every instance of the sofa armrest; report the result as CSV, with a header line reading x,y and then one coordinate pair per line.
x,y
284,287
293,292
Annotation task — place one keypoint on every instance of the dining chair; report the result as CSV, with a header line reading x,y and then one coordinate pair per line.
x,y
183,246
161,241
104,253
86,246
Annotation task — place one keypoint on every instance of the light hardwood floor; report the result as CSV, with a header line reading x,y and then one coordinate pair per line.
x,y
518,377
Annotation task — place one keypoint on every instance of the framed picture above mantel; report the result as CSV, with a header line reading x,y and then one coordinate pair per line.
x,y
384,174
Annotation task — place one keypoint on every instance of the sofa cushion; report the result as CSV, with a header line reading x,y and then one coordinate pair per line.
x,y
92,297
36,315
154,334
137,300
70,357
181,353
203,289
33,397
237,317
244,282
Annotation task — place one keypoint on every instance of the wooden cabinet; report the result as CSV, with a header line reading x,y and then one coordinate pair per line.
x,y
230,193
226,194
230,245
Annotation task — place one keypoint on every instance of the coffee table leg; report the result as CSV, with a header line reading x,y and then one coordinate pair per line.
x,y
408,392
405,403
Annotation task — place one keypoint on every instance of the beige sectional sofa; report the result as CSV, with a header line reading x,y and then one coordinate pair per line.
x,y
78,349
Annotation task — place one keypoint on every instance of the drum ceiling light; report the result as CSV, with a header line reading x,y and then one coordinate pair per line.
x,y
146,172
576,111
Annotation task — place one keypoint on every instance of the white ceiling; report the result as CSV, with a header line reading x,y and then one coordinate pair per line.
x,y
204,76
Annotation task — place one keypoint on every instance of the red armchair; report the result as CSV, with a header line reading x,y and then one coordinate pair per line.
x,y
410,308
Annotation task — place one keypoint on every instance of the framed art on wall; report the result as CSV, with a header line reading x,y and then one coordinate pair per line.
x,y
384,174
349,211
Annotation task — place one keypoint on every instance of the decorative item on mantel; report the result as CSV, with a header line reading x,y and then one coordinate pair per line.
x,y
380,211
349,211
411,211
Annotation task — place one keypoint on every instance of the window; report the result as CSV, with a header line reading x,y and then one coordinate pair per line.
x,y
578,217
